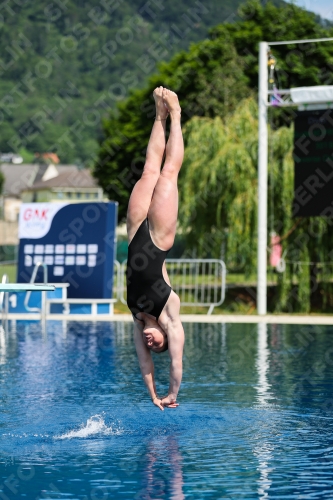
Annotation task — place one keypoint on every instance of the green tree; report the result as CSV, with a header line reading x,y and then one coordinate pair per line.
x,y
209,81
2,181
64,65
297,64
218,187
218,205
211,78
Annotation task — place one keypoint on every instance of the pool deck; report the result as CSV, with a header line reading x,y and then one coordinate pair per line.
x,y
243,318
195,318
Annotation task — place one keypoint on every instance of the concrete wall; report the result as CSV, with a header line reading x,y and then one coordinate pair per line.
x,y
8,233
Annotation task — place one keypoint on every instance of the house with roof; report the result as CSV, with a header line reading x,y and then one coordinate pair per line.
x,y
45,183
23,176
41,183
69,186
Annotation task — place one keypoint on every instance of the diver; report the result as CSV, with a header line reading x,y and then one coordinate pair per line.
x,y
151,228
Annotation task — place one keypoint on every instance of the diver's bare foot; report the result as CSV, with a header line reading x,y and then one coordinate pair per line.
x,y
171,101
161,110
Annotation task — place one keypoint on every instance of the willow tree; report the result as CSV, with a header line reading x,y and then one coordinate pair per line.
x,y
218,202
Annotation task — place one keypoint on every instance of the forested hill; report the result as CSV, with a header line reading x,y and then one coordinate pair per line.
x,y
65,63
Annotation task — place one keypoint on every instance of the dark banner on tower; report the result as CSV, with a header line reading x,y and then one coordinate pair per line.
x,y
313,158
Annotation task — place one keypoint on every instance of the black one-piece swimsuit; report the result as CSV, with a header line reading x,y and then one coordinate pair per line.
x,y
147,290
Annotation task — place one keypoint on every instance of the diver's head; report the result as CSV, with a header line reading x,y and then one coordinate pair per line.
x,y
153,335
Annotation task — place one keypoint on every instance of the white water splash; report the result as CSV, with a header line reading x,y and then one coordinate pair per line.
x,y
94,425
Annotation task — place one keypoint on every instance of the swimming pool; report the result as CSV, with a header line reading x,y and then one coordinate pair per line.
x,y
255,416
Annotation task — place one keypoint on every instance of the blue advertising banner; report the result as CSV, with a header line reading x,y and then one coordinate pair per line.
x,y
77,241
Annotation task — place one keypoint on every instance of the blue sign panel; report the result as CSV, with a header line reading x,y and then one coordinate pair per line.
x,y
76,241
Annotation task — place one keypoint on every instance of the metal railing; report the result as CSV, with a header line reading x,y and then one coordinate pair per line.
x,y
197,282
117,280
4,304
42,309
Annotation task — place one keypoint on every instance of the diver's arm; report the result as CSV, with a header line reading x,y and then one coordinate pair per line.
x,y
146,364
176,346
170,322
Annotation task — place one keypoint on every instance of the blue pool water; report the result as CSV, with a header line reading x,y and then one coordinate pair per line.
x,y
255,416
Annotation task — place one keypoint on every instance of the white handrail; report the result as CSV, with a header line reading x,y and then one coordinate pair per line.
x,y
42,310
3,297
118,277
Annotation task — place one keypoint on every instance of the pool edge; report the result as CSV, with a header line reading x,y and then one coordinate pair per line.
x,y
190,318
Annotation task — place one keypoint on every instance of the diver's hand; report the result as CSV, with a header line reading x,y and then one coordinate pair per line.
x,y
169,401
158,402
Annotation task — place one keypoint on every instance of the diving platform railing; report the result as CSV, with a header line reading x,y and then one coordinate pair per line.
x,y
25,287
4,304
6,287
42,309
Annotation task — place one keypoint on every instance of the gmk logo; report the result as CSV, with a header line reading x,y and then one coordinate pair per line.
x,y
35,214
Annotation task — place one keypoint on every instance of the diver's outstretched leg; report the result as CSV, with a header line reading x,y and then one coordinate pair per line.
x,y
163,209
142,193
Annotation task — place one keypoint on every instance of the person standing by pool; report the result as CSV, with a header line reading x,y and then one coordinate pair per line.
x,y
151,228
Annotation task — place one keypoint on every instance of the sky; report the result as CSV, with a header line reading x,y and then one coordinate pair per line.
x,y
322,7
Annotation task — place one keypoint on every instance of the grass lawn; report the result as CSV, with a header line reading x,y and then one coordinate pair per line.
x,y
120,308
10,270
